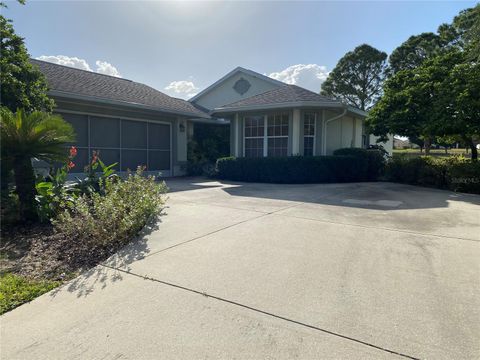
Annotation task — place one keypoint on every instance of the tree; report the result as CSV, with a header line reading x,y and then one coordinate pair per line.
x,y
437,99
464,32
23,86
404,109
358,77
459,103
35,135
413,52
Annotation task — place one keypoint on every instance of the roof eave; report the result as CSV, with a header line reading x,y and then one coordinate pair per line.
x,y
296,104
68,95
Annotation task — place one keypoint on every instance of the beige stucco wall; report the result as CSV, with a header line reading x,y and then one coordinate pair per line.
x,y
225,94
343,132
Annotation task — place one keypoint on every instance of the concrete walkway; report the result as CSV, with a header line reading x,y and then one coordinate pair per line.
x,y
263,271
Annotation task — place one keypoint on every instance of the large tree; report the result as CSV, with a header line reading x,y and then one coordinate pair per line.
x,y
23,86
358,77
413,52
437,99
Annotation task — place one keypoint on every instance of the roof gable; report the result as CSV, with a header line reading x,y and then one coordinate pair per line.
x,y
238,84
64,81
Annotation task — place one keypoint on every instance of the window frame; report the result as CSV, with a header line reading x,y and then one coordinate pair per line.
x,y
314,131
265,136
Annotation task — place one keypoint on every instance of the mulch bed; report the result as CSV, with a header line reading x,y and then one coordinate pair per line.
x,y
36,251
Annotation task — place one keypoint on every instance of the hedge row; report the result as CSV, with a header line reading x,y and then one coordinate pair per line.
x,y
453,173
295,169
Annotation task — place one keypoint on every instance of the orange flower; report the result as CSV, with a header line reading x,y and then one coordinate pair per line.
x,y
70,165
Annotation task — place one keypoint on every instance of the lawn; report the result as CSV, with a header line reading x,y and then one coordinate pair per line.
x,y
433,152
16,290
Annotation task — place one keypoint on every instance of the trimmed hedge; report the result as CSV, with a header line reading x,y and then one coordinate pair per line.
x,y
453,173
375,160
294,169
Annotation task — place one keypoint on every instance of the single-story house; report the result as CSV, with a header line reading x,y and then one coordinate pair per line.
x,y
133,124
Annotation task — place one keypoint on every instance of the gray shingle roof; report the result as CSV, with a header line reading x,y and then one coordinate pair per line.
x,y
73,81
283,94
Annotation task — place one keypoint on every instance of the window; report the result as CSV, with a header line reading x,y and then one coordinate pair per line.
x,y
308,134
272,142
277,135
254,136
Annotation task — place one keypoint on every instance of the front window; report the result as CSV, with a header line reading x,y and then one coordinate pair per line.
x,y
308,134
277,135
254,136
270,142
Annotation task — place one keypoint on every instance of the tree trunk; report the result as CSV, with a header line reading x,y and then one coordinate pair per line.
x,y
427,145
25,188
474,150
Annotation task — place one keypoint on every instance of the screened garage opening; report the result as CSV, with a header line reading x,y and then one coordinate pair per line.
x,y
130,143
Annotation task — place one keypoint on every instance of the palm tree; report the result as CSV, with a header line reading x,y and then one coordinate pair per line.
x,y
25,136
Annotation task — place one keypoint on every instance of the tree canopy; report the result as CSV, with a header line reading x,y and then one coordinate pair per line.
x,y
358,77
23,85
414,52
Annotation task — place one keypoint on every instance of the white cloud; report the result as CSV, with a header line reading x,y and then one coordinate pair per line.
x,y
67,61
103,67
183,88
106,68
309,76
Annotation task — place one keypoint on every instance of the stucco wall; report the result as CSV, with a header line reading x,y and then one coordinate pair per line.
x,y
340,133
225,94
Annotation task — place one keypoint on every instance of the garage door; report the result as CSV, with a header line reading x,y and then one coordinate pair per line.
x,y
129,143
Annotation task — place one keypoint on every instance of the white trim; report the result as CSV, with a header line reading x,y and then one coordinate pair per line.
x,y
297,104
265,136
314,131
232,73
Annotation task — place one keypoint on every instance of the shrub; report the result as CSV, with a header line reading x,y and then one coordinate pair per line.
x,y
294,169
375,159
111,219
454,173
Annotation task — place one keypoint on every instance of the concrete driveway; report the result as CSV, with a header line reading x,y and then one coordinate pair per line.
x,y
260,271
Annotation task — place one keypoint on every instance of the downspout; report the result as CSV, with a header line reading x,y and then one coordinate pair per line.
x,y
325,123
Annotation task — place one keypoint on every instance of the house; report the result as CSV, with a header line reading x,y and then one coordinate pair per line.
x,y
133,124
270,118
129,123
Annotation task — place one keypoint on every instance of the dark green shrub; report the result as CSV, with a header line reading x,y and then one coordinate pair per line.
x,y
454,173
293,169
375,160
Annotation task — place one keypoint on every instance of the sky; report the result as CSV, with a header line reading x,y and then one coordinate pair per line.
x,y
182,47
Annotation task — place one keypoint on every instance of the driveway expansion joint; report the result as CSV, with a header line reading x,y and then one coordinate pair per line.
x,y
267,313
218,230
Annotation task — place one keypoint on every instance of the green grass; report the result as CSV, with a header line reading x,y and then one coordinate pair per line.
x,y
433,152
16,290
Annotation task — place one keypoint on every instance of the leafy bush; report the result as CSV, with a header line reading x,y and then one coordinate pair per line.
x,y
209,142
113,218
454,173
375,160
16,290
293,169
